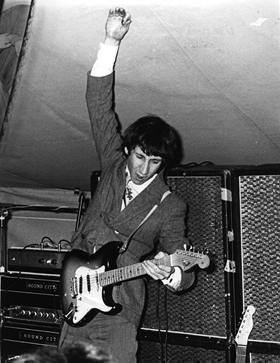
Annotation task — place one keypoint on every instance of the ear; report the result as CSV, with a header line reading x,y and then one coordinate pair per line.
x,y
126,151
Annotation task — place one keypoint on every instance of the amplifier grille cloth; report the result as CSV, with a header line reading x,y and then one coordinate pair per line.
x,y
152,352
260,232
202,309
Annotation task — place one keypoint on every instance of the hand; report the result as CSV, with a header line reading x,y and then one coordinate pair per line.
x,y
117,25
158,272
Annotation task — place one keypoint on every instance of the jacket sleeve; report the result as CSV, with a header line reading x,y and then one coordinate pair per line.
x,y
104,123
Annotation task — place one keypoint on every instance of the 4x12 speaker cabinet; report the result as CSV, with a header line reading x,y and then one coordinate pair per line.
x,y
202,316
256,208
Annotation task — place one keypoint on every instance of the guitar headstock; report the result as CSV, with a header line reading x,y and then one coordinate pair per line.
x,y
186,259
246,326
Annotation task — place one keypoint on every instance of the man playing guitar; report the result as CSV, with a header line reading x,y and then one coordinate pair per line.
x,y
132,204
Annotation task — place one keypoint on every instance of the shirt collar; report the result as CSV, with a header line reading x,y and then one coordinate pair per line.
x,y
137,187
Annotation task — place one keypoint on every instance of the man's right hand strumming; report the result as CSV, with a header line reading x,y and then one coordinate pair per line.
x,y
117,26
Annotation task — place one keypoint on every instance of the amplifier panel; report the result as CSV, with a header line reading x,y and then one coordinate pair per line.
x,y
31,284
27,313
30,291
32,299
35,334
18,338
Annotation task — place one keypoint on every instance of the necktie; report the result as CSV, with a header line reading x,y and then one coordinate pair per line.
x,y
128,194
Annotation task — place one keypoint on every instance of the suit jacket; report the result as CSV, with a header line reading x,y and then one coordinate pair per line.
x,y
104,221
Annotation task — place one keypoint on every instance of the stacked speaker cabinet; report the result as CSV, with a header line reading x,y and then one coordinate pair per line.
x,y
234,212
31,315
31,261
256,208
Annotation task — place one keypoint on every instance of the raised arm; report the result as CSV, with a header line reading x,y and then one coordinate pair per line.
x,y
100,87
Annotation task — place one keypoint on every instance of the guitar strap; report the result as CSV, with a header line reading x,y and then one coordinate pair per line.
x,y
148,215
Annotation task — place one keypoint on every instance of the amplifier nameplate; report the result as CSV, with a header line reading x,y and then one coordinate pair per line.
x,y
30,335
31,284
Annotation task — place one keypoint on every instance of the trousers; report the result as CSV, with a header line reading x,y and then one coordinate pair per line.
x,y
111,333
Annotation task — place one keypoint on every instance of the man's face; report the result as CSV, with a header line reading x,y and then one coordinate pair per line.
x,y
141,166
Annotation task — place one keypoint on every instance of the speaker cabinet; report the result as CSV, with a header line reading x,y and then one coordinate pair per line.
x,y
234,212
203,314
257,239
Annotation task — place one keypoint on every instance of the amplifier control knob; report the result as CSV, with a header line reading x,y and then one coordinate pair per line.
x,y
51,261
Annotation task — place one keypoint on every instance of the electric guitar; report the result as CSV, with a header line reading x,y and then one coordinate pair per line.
x,y
87,280
243,334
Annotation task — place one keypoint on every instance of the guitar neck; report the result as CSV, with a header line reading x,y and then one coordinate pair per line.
x,y
240,354
128,272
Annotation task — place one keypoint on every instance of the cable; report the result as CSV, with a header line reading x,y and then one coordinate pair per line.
x,y
158,320
68,243
31,245
166,329
50,243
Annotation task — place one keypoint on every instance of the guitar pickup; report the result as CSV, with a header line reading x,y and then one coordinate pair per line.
x,y
74,287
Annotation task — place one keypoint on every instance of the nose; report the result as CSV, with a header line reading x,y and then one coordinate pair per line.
x,y
145,168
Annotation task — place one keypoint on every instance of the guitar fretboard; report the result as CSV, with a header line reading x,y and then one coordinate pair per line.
x,y
128,272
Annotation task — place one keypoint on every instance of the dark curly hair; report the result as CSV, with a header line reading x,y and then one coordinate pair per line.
x,y
155,137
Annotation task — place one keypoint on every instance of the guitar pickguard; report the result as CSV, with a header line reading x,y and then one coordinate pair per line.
x,y
89,292
82,295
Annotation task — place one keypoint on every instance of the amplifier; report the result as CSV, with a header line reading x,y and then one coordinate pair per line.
x,y
19,338
30,333
31,299
35,260
31,314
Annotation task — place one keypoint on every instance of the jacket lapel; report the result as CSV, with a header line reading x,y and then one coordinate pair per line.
x,y
138,208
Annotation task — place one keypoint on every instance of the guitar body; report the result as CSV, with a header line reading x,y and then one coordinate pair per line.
x,y
82,295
